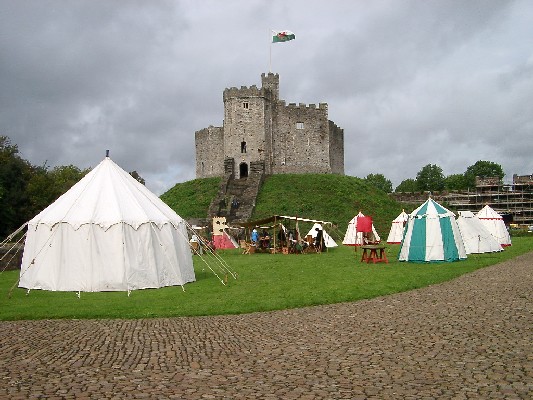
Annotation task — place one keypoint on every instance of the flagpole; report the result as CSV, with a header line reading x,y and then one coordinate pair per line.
x,y
270,57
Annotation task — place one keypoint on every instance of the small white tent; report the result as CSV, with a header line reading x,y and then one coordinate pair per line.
x,y
354,238
476,237
107,233
397,228
495,225
328,240
432,235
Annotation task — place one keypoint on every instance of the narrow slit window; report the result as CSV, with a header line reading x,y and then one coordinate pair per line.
x,y
243,147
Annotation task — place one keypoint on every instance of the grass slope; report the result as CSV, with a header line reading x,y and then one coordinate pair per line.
x,y
191,199
332,198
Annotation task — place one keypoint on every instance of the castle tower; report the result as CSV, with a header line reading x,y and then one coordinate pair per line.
x,y
271,82
260,129
248,124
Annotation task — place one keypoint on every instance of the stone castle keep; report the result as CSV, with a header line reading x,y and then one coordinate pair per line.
x,y
259,128
261,135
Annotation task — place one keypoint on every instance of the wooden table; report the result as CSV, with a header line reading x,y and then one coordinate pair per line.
x,y
370,253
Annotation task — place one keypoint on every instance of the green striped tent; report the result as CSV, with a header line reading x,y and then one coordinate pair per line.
x,y
432,235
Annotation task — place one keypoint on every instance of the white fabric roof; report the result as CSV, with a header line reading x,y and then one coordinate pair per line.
x,y
105,196
494,223
397,228
476,238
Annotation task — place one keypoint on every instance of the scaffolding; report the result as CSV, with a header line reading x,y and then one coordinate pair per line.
x,y
513,199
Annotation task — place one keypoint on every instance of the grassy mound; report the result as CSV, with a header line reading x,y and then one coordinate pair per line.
x,y
332,198
191,199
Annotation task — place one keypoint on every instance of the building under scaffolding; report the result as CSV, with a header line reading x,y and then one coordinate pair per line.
x,y
514,201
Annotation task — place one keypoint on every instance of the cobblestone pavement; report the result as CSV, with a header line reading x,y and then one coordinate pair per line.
x,y
471,338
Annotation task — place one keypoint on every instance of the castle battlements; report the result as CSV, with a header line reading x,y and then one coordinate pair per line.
x,y
243,91
321,106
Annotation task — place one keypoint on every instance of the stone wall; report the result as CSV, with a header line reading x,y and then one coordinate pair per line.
x,y
209,152
336,148
301,143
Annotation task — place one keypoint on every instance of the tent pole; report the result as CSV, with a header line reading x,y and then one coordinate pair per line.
x,y
274,234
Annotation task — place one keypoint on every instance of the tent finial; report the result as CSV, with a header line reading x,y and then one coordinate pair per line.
x,y
107,153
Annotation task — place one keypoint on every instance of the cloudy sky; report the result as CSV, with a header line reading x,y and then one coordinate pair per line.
x,y
411,82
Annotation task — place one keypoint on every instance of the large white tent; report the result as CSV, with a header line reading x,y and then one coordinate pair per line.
x,y
432,235
476,238
495,225
397,228
107,233
328,240
354,238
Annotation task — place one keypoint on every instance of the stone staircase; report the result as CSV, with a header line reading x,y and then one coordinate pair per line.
x,y
236,197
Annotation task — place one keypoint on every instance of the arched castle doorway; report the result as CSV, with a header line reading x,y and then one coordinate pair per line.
x,y
243,170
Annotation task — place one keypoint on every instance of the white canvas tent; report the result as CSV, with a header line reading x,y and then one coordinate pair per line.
x,y
397,228
354,238
328,240
432,235
107,233
477,239
495,225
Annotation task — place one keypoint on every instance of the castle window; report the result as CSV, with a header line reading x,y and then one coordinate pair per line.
x,y
245,105
243,147
299,125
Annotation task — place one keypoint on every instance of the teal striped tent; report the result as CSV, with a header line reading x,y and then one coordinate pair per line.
x,y
432,235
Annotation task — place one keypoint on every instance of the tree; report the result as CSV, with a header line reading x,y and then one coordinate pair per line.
x,y
430,178
379,181
455,182
483,169
138,177
407,186
14,176
45,185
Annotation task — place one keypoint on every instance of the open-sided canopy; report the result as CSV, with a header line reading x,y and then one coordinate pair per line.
x,y
277,218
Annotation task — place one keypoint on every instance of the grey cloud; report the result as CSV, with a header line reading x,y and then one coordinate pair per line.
x,y
411,82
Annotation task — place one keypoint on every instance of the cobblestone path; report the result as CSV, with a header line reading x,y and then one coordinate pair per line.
x,y
470,338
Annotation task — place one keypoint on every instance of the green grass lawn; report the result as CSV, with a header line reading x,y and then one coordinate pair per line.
x,y
265,282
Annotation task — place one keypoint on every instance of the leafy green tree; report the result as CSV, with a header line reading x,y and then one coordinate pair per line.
x,y
455,182
482,169
430,178
65,176
40,186
379,181
45,185
407,186
14,176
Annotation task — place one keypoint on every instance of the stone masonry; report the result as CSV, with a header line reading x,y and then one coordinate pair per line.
x,y
259,127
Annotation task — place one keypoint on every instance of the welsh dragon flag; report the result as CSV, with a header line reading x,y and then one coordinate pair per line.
x,y
282,36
